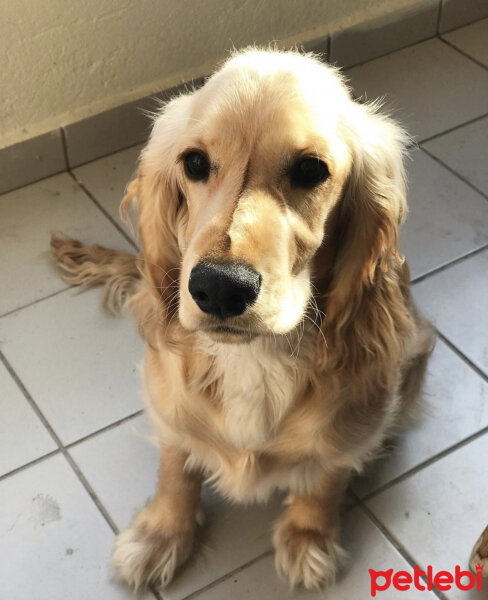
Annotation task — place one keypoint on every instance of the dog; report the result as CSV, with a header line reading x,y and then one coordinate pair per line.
x,y
283,345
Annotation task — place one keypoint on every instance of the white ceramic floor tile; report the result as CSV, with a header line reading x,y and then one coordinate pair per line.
x,y
446,219
455,407
429,87
54,543
441,511
472,39
27,218
465,150
22,435
368,549
456,300
121,465
77,362
107,179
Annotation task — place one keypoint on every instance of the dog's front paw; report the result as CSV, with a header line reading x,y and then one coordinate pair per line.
x,y
144,557
306,556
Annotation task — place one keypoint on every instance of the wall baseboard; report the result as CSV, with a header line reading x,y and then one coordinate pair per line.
x,y
129,124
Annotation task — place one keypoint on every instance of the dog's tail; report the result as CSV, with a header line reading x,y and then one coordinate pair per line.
x,y
87,266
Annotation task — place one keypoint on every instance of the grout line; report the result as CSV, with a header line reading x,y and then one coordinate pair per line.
x,y
465,54
452,263
30,400
436,35
462,356
438,135
399,49
398,546
59,443
463,25
90,491
345,508
458,175
357,499
439,16
25,185
141,142
11,312
67,169
426,463
104,429
29,464
100,207
228,575
64,143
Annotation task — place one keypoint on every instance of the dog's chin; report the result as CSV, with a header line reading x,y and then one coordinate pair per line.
x,y
230,335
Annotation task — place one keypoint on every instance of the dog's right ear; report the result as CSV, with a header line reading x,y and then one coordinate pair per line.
x,y
161,212
366,314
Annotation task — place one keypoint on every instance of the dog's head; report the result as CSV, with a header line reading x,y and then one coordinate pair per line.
x,y
263,188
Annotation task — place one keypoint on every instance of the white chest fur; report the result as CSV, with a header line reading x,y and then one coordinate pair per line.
x,y
258,384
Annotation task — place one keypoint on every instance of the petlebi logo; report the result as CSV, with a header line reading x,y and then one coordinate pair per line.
x,y
442,580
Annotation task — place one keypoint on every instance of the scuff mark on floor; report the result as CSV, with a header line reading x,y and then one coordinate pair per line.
x,y
47,509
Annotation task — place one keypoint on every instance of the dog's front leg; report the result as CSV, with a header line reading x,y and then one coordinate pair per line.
x,y
161,537
306,538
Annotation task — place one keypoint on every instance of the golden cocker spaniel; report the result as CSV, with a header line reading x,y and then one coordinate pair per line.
x,y
282,341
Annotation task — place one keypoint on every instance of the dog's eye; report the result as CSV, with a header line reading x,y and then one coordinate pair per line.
x,y
197,166
309,172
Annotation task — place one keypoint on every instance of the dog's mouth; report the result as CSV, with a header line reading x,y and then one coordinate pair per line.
x,y
225,333
226,329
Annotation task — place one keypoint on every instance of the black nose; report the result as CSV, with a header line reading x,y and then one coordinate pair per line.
x,y
224,289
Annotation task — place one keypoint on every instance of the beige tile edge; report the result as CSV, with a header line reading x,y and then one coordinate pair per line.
x,y
387,33
31,160
116,128
458,13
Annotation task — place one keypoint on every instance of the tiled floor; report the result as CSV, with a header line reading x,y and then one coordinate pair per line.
x,y
76,460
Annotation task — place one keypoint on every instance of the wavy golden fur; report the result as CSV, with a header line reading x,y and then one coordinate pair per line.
x,y
298,390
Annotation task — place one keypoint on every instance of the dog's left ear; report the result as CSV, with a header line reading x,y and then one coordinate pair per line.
x,y
159,202
364,305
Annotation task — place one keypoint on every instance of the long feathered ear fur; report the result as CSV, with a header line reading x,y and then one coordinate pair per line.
x,y
366,318
161,215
